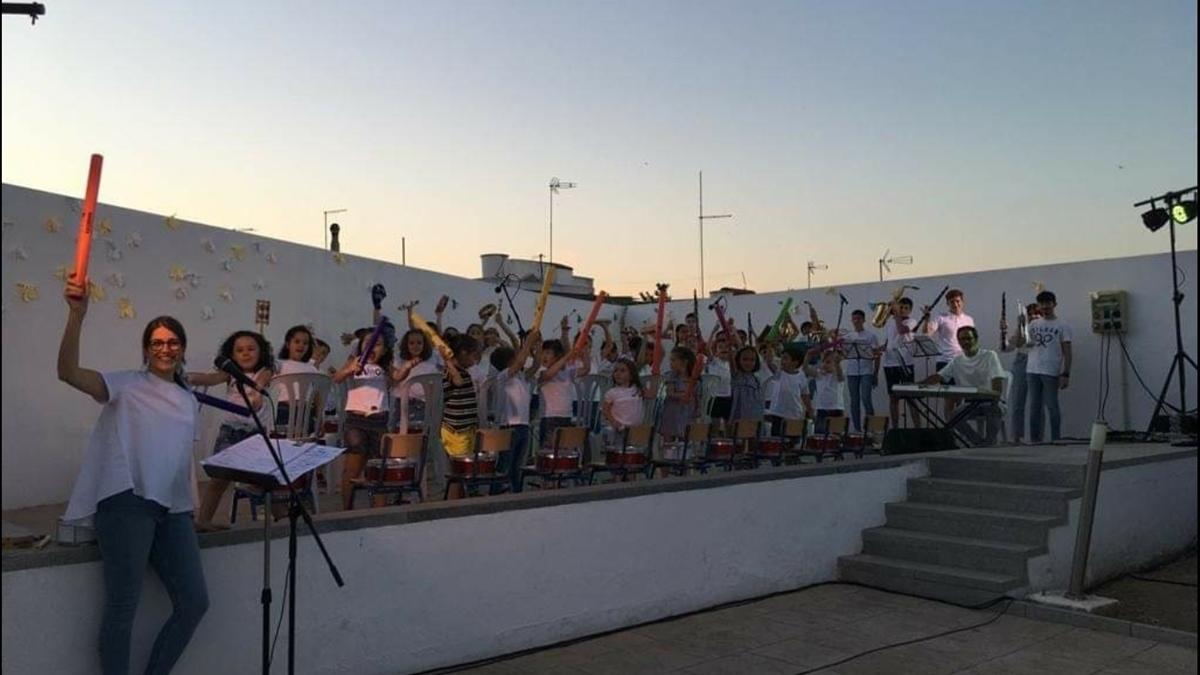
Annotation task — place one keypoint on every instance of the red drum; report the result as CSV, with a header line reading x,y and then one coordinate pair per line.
x,y
397,470
616,455
771,446
855,442
672,451
822,443
473,465
565,461
721,448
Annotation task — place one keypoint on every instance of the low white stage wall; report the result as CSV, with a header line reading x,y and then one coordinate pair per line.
x,y
453,590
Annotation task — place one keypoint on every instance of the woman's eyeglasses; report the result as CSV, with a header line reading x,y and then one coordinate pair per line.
x,y
161,345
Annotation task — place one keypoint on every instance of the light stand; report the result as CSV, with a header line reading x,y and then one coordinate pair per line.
x,y
1181,359
296,512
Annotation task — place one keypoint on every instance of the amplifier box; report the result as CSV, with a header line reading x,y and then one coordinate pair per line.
x,y
1110,312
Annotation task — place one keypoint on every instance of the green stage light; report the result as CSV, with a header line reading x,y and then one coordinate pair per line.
x,y
1183,211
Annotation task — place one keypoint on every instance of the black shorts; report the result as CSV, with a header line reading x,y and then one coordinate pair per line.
x,y
721,405
895,375
362,433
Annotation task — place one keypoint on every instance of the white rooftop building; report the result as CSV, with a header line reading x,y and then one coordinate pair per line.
x,y
497,266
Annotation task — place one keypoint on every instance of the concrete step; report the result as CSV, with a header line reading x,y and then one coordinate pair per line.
x,y
939,549
1045,499
1007,471
940,582
963,521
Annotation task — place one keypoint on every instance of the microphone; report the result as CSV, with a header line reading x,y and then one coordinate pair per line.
x,y
500,288
231,369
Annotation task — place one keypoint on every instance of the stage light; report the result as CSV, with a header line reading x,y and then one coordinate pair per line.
x,y
1154,219
1183,211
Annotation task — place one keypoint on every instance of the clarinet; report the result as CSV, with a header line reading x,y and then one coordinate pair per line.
x,y
1003,322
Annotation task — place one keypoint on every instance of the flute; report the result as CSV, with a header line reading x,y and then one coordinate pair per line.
x,y
83,245
540,309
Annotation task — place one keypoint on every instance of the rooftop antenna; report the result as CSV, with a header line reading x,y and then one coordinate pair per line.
x,y
813,267
555,186
886,262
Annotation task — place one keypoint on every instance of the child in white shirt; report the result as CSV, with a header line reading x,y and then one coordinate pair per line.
x,y
792,400
829,378
513,393
556,381
622,406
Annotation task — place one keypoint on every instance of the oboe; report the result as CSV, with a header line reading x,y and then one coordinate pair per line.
x,y
1003,322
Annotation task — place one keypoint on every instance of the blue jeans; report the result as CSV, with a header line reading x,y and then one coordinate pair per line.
x,y
822,423
1017,395
513,461
546,430
131,532
861,387
1043,390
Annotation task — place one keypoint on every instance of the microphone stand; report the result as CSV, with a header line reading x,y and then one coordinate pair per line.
x,y
504,287
296,511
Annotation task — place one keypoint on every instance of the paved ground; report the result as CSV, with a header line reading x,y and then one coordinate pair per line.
x,y
809,629
1158,604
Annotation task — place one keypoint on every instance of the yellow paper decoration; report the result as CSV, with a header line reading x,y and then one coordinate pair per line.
x,y
62,272
238,251
1038,287
27,292
125,309
96,292
225,294
52,225
339,258
105,227
171,222
177,273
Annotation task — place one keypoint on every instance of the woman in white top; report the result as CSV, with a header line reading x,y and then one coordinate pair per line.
x,y
366,408
295,356
252,354
135,485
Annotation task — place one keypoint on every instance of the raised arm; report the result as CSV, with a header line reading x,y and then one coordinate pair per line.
x,y
518,364
512,337
86,380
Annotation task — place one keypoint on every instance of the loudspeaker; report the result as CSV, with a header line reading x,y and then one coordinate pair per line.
x,y
908,441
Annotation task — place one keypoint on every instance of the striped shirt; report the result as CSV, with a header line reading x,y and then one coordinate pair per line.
x,y
460,410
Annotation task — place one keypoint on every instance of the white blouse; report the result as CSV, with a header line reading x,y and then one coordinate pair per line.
x,y
142,441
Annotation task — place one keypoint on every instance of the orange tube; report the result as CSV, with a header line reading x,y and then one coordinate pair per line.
x,y
83,245
591,319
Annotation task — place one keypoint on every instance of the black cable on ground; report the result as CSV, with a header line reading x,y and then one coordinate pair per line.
x,y
910,642
729,605
279,624
1162,581
1138,375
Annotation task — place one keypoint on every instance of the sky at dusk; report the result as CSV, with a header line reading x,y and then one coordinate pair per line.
x,y
969,135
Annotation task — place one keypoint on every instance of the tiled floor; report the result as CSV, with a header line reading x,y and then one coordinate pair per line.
x,y
814,628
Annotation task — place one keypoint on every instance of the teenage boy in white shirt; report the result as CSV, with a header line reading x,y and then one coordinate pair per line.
x,y
1049,366
862,371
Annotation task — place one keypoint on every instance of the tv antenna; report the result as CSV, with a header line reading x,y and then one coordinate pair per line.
x,y
813,267
885,263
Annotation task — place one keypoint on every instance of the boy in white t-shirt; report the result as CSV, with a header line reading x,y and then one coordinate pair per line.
x,y
862,368
792,400
980,369
1048,368
513,388
830,379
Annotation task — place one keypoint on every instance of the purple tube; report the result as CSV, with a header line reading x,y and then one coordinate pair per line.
x,y
370,344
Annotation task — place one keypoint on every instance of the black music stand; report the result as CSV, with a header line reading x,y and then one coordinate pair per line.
x,y
269,479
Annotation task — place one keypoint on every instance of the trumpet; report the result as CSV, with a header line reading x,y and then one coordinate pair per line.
x,y
817,327
884,309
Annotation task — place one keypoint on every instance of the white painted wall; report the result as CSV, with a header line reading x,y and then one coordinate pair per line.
x,y
432,594
1151,339
46,423
1144,513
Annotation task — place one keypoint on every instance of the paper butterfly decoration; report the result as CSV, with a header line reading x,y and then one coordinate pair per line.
x,y
181,292
177,273
116,279
260,285
62,272
27,292
194,280
105,227
125,309
72,204
238,251
209,245
207,313
19,253
258,247
96,292
133,239
271,258
52,225
171,222
1038,287
339,258
114,253
227,264
225,294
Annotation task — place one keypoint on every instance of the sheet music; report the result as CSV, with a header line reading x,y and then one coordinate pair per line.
x,y
252,455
